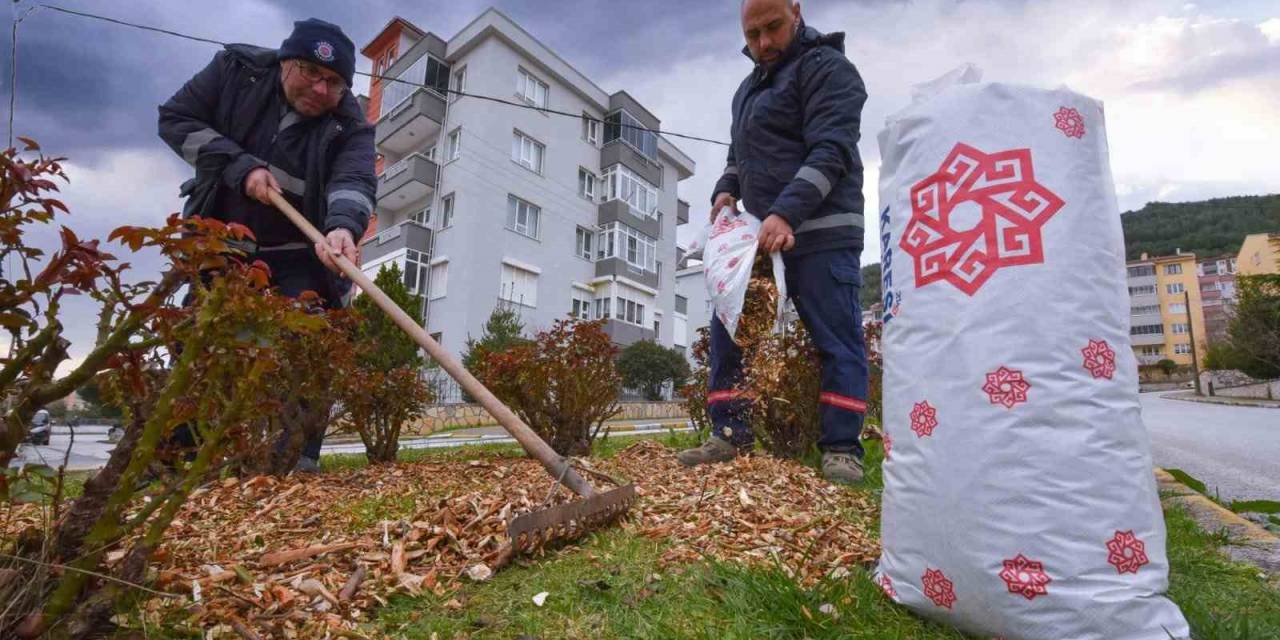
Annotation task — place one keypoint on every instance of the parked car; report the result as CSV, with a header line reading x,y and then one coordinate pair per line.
x,y
41,428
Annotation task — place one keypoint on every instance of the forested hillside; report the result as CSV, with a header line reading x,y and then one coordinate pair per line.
x,y
1207,228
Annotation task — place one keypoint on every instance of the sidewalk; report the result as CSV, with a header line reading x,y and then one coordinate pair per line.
x,y
1190,396
498,435
493,430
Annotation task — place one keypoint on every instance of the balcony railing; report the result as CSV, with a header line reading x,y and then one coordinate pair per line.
x,y
406,182
412,123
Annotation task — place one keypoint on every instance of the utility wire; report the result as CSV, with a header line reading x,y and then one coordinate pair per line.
x,y
521,105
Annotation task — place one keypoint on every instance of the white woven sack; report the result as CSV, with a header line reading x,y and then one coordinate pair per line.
x,y
1019,497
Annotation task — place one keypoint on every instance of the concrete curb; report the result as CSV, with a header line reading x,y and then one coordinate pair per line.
x,y
1250,541
1261,404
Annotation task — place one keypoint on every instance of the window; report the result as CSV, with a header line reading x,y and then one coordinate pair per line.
x,y
621,125
1179,328
1175,288
1210,268
1178,307
1209,286
657,325
602,308
1144,290
582,247
454,147
1145,310
1151,350
423,217
682,304
630,311
1182,348
519,286
1146,330
587,182
1142,270
531,89
527,152
658,268
1172,269
439,283
617,240
621,183
415,271
590,129
425,71
446,211
522,217
581,305
430,153
458,83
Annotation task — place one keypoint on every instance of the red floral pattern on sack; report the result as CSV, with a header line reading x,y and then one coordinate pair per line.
x,y
1099,359
938,588
886,585
888,445
1069,122
1025,577
998,226
1006,387
726,224
924,419
1126,552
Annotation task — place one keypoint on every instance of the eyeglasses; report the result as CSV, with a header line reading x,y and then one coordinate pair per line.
x,y
313,74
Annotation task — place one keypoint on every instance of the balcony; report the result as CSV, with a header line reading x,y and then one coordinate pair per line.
x,y
406,235
412,124
620,267
624,333
405,182
619,152
1146,339
682,212
619,211
1144,361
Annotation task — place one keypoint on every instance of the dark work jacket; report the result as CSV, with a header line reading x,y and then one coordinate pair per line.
x,y
794,145
224,123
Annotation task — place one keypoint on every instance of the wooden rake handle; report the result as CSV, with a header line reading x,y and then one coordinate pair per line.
x,y
554,463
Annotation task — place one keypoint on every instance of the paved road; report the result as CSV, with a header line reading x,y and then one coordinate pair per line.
x,y
1233,449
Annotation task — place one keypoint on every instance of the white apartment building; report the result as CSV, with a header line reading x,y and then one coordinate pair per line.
x,y
483,203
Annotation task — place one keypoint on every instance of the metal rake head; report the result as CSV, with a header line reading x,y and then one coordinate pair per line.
x,y
569,521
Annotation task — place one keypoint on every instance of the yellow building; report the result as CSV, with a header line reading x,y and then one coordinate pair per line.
x,y
1162,318
1260,253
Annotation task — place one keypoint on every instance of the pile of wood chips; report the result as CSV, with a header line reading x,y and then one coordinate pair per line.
x,y
265,558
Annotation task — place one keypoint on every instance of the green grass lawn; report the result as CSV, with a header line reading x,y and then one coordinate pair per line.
x,y
610,585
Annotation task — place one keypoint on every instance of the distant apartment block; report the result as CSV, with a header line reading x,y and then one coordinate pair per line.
x,y
1165,309
1217,294
483,203
1259,254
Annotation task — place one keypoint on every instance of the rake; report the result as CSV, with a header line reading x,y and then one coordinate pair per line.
x,y
529,530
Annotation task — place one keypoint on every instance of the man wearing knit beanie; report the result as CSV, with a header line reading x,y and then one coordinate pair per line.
x,y
258,120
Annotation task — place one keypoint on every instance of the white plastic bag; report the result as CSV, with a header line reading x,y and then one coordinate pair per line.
x,y
1019,499
727,256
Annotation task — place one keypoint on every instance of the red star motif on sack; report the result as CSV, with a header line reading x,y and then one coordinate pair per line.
x,y
979,213
938,588
1126,552
924,419
886,585
1025,577
1069,122
1007,387
1099,359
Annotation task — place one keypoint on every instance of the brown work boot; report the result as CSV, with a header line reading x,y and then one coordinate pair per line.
x,y
841,467
713,450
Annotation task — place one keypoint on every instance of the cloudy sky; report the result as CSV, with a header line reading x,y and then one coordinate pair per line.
x,y
1192,90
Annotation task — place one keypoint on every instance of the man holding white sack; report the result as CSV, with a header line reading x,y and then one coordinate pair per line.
x,y
794,163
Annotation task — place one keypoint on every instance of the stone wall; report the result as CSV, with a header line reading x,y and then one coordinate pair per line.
x,y
1260,391
1234,384
441,416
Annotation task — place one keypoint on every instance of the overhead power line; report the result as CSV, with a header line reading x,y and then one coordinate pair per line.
x,y
521,105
